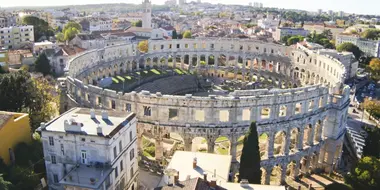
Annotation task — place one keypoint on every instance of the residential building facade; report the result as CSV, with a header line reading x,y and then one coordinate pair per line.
x,y
9,123
14,37
369,47
100,24
91,149
287,31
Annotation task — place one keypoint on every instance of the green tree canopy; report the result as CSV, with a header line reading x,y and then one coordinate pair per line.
x,y
347,46
20,93
372,142
137,23
294,39
15,90
186,34
42,64
372,34
69,31
41,27
250,157
365,175
4,185
143,46
374,66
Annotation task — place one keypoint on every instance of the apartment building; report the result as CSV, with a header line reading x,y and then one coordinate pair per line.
x,y
369,47
14,37
91,149
100,24
288,31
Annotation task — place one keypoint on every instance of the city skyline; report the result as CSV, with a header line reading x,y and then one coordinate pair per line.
x,y
348,6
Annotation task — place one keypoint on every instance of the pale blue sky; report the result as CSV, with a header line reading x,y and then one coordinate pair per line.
x,y
350,6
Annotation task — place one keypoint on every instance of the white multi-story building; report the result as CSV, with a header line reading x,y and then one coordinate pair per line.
x,y
369,47
268,23
14,37
100,24
288,31
91,149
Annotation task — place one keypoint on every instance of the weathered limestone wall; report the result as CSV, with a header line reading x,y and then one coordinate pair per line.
x,y
318,110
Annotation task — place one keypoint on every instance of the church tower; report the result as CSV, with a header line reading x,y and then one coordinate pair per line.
x,y
147,14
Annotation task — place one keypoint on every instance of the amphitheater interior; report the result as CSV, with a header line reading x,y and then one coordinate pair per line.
x,y
202,95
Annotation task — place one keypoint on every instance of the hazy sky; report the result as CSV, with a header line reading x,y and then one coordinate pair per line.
x,y
350,6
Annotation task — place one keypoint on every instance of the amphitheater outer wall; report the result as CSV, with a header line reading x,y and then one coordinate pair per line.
x,y
322,105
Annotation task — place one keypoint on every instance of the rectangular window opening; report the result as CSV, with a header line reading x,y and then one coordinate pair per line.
x,y
173,114
224,115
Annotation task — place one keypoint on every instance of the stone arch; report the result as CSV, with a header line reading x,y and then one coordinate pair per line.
x,y
304,164
222,145
199,144
294,139
279,143
194,60
239,147
275,176
186,59
307,135
263,144
291,169
318,131
222,60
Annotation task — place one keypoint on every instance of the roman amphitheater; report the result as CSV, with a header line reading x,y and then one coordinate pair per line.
x,y
213,89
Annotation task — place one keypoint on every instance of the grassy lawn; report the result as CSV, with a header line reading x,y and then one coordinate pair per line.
x,y
155,71
120,78
178,71
128,77
114,80
222,151
220,139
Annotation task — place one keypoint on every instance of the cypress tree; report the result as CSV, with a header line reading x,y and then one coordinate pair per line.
x,y
250,157
42,64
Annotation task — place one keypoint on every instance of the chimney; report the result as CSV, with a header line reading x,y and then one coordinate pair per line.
x,y
92,112
213,183
99,130
194,162
104,114
205,176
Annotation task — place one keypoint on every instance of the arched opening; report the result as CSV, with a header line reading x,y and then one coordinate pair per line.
x,y
211,60
222,60
148,145
293,139
263,145
279,143
307,135
171,143
304,164
194,60
186,59
290,169
202,60
199,144
239,148
318,131
222,145
275,176
155,62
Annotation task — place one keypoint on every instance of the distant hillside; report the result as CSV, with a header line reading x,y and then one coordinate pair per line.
x,y
114,7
